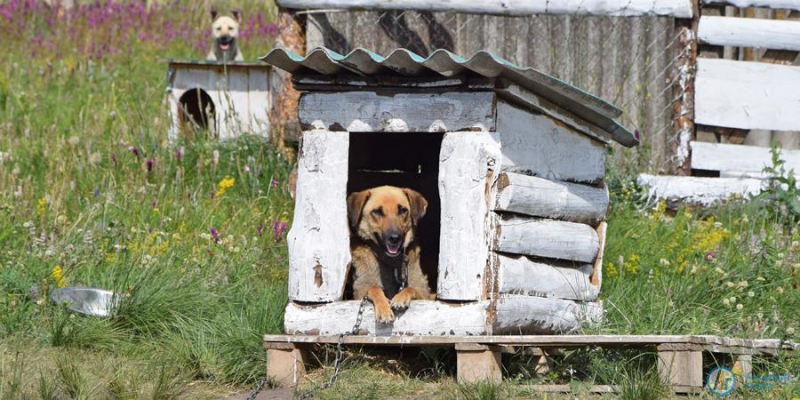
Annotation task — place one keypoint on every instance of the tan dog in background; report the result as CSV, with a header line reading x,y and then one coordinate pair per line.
x,y
383,221
225,31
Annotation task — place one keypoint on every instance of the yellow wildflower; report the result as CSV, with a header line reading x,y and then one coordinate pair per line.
x,y
632,264
42,205
611,271
226,183
58,275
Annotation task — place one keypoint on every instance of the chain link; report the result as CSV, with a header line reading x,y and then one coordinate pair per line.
x,y
339,354
257,390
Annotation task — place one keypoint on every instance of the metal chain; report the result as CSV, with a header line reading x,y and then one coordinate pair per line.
x,y
339,353
257,390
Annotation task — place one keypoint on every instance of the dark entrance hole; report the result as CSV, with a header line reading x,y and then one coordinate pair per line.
x,y
197,111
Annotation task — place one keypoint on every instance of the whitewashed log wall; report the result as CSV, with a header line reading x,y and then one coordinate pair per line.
x,y
625,60
749,32
241,97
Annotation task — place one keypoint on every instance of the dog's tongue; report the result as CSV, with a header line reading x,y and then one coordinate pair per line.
x,y
393,249
224,46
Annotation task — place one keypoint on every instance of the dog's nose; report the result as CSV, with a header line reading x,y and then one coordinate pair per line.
x,y
394,238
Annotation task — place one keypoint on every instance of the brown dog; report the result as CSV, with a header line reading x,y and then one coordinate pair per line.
x,y
383,221
225,31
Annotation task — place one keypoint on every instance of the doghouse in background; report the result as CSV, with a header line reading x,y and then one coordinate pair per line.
x,y
512,164
225,99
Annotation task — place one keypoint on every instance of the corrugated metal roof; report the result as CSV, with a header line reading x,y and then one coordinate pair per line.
x,y
406,63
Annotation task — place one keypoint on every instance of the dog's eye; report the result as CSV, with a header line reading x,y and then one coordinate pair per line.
x,y
378,212
219,28
401,210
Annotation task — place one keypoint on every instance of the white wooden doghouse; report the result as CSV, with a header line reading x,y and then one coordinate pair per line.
x,y
511,161
226,99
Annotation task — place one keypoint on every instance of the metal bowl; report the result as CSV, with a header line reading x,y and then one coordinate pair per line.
x,y
90,301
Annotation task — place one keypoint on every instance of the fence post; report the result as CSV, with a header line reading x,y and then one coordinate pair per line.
x,y
283,112
683,89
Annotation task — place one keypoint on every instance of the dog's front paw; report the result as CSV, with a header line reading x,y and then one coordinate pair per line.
x,y
384,313
402,300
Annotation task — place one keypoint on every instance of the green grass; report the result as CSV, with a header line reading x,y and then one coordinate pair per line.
x,y
91,194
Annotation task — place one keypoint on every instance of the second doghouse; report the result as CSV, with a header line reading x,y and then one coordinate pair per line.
x,y
511,161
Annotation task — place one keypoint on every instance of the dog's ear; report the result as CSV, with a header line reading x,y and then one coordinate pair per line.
x,y
237,14
355,205
418,205
214,13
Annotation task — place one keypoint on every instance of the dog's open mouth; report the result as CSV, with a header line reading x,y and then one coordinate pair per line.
x,y
224,46
392,250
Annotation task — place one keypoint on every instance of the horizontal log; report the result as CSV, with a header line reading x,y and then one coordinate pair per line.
x,y
519,315
750,32
747,95
780,4
547,238
399,112
628,8
540,197
423,317
562,280
733,158
535,144
699,191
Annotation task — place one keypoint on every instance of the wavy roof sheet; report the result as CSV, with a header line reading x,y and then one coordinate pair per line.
x,y
442,62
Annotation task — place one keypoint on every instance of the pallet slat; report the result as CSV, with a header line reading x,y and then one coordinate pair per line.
x,y
750,32
747,95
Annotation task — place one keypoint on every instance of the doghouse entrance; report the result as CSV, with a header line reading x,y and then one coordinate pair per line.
x,y
408,160
197,111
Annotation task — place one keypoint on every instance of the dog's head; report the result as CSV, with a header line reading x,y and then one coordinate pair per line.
x,y
386,216
225,28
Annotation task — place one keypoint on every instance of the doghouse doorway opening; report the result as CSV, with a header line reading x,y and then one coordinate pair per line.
x,y
196,112
408,160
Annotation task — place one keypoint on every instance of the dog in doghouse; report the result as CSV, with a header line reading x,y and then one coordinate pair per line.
x,y
225,32
385,253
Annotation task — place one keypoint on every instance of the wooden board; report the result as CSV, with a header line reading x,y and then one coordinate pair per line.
x,y
525,314
547,238
747,95
561,280
698,191
423,317
319,239
539,145
676,8
544,341
750,32
736,158
398,112
785,4
540,197
467,172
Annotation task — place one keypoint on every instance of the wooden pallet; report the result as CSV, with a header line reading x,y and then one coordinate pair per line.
x,y
478,357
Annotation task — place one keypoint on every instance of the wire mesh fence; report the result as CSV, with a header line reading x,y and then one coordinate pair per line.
x,y
629,61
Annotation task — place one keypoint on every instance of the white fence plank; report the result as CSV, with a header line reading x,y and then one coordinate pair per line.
x,y
747,95
785,4
750,32
699,191
731,159
676,8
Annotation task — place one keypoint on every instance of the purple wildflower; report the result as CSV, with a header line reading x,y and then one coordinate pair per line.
x,y
637,134
711,255
260,229
96,192
278,227
150,164
274,182
155,203
272,29
179,153
214,233
134,150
